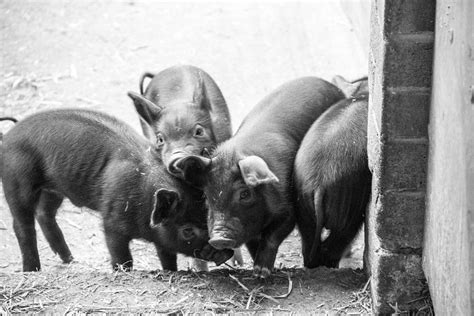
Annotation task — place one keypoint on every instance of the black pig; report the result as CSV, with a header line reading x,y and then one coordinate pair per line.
x,y
183,111
248,180
99,162
332,177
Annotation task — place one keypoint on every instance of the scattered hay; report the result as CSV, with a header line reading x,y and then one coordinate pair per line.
x,y
79,288
17,300
360,300
425,307
258,291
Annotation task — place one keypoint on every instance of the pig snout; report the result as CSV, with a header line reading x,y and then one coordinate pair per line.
x,y
226,232
222,243
172,163
221,239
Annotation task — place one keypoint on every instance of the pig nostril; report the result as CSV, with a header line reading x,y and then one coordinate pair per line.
x,y
173,168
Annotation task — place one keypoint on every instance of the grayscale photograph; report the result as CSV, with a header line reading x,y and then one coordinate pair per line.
x,y
237,157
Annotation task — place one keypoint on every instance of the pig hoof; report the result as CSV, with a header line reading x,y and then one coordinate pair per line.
x,y
67,259
126,267
261,273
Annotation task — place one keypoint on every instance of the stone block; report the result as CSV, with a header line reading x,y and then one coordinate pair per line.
x,y
406,113
400,221
409,60
404,165
397,282
410,16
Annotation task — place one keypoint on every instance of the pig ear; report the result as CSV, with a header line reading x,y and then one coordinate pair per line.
x,y
347,87
255,171
148,110
193,169
147,130
165,203
200,96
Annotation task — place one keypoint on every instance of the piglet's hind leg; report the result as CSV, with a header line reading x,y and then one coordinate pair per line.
x,y
46,217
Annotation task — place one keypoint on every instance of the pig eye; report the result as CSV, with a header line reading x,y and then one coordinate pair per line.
x,y
199,131
245,194
160,140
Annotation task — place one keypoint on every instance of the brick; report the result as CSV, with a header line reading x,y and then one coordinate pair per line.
x,y
400,221
409,16
404,164
408,60
397,280
406,113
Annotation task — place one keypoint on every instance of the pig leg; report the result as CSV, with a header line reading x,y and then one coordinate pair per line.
x,y
252,247
334,246
237,259
168,260
268,247
46,217
118,245
306,229
22,201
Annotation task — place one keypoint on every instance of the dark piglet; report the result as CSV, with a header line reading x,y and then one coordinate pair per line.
x,y
183,111
332,177
99,162
248,180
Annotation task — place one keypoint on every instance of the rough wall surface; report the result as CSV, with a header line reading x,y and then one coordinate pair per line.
x,y
448,249
400,67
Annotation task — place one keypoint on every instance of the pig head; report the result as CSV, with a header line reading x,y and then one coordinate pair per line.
x,y
183,112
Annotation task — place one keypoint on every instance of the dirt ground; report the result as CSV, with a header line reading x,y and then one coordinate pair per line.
x,y
89,54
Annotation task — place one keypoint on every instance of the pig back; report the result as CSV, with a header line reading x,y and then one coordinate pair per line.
x,y
68,151
275,127
285,115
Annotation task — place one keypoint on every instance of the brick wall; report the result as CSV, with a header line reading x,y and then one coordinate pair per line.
x,y
448,257
400,67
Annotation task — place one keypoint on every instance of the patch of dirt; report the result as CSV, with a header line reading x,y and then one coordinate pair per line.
x,y
77,290
89,54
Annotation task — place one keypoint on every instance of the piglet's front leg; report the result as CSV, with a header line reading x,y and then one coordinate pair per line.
x,y
268,248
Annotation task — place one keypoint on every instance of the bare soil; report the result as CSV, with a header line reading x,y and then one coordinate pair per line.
x,y
89,54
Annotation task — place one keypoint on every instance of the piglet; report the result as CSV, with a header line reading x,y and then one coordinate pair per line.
x,y
101,163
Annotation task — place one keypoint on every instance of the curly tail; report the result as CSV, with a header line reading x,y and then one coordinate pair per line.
x,y
7,118
142,79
